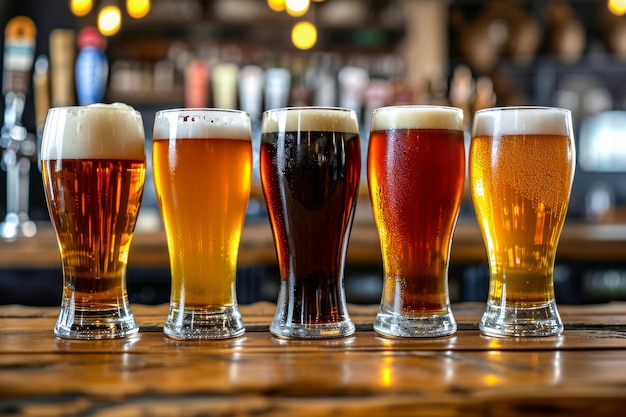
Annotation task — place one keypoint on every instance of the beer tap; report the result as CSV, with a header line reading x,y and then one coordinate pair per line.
x,y
41,87
91,67
224,85
277,86
251,79
321,78
62,62
19,147
353,82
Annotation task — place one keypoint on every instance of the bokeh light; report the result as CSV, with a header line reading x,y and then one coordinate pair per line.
x,y
304,35
617,7
109,20
137,8
81,7
276,5
297,8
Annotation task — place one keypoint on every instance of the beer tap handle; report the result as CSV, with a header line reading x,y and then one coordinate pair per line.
x,y
251,91
197,74
19,48
352,84
62,54
41,86
92,67
277,87
224,87
251,78
19,146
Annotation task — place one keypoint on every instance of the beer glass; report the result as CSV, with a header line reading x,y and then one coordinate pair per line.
x,y
310,169
93,167
521,171
416,174
202,162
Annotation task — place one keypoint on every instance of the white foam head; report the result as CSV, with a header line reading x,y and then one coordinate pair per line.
x,y
97,131
523,121
320,119
417,117
202,124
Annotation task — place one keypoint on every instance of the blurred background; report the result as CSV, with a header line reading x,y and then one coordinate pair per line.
x,y
362,54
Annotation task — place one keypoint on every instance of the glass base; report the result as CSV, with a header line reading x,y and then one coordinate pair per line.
x,y
392,324
312,331
516,321
95,323
185,324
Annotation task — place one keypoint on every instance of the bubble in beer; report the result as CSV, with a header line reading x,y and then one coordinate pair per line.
x,y
530,141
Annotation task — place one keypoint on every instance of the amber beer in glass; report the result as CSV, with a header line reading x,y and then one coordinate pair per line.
x,y
310,169
521,171
93,167
202,162
416,173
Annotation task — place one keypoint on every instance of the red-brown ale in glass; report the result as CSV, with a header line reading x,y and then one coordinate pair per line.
x,y
416,174
93,171
310,172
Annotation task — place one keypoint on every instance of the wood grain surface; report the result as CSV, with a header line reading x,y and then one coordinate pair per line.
x,y
579,373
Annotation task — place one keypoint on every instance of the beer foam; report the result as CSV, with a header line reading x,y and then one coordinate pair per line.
x,y
320,119
523,121
202,124
417,117
97,131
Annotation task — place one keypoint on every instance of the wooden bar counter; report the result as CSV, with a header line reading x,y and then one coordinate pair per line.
x,y
580,242
579,373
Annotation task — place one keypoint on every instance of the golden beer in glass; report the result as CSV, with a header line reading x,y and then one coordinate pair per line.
x,y
202,162
93,167
521,170
416,173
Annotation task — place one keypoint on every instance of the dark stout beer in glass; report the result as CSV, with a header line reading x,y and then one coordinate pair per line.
x,y
310,168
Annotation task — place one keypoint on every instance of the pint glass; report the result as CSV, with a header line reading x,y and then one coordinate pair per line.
x,y
416,173
521,171
202,162
93,167
310,169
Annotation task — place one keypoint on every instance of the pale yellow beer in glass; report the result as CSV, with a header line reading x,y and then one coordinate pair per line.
x,y
93,167
521,170
202,162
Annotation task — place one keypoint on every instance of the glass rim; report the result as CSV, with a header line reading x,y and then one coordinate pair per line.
x,y
105,106
526,120
307,108
417,117
523,108
417,106
201,110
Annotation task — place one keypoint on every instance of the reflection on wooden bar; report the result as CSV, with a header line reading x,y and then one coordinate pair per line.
x,y
580,373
